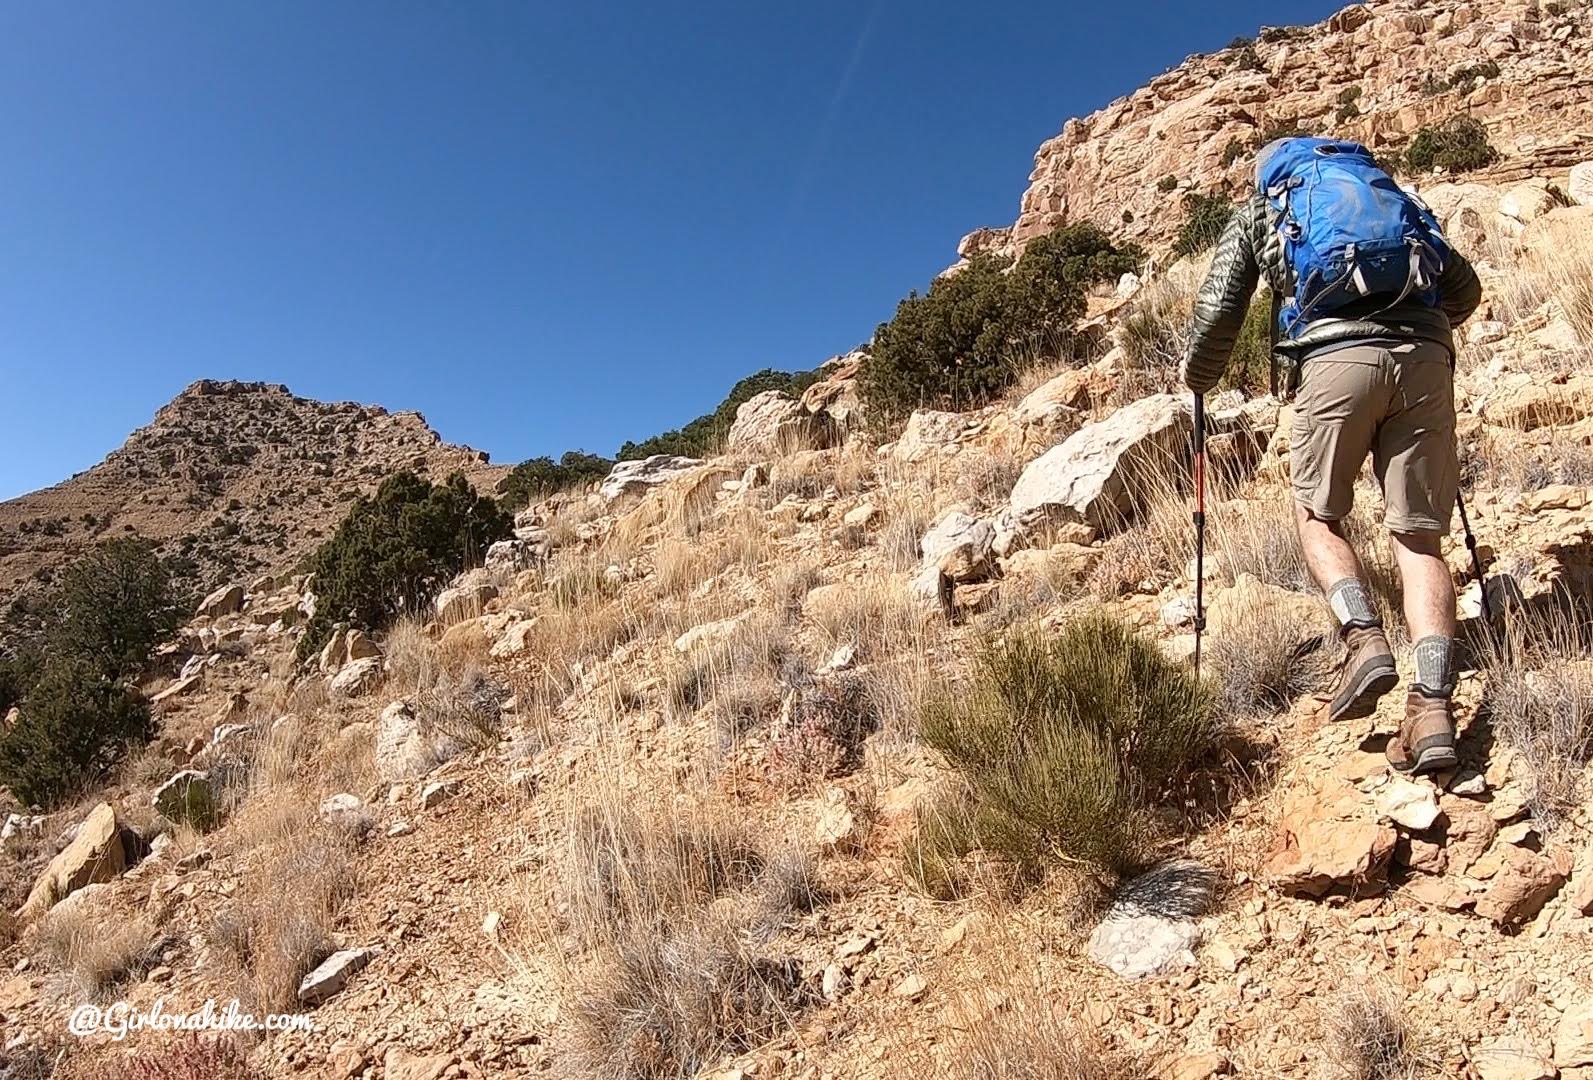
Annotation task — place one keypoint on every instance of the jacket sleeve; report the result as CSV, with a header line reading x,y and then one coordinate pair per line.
x,y
1459,290
1221,304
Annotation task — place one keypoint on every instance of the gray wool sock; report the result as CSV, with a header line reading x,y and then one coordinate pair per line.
x,y
1351,604
1435,675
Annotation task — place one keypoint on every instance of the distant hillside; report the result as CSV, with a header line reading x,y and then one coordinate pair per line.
x,y
231,479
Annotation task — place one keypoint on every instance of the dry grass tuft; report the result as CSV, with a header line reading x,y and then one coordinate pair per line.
x,y
1558,273
1369,1039
679,905
1032,1040
1266,660
94,955
876,616
1259,537
282,921
1538,695
466,710
414,660
664,1005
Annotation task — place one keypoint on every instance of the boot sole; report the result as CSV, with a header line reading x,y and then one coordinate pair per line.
x,y
1373,683
1437,758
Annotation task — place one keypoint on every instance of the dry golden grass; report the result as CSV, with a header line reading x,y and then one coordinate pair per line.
x,y
414,659
875,615
1538,696
92,954
673,908
282,920
1556,272
1157,541
1033,1039
1258,536
681,564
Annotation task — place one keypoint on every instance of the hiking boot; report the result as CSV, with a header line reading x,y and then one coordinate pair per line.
x,y
1426,740
1368,673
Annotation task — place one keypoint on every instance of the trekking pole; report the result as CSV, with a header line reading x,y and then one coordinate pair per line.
x,y
1476,560
1200,522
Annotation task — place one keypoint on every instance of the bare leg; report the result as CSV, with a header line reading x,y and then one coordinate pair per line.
x,y
1328,556
1368,670
1428,585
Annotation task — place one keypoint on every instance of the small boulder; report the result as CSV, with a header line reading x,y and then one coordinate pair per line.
x,y
639,475
1408,803
1518,889
1137,946
332,975
346,813
773,422
1573,1038
358,677
437,792
1330,836
401,750
334,652
463,602
188,798
227,600
1511,1058
360,647
707,634
1093,476
97,853
960,546
1580,189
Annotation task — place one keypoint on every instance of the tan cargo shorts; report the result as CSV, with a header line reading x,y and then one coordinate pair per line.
x,y
1395,403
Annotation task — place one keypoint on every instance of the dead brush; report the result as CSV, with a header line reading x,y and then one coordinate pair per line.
x,y
1538,696
1368,1037
282,922
678,904
661,1006
1033,1040
1265,660
821,730
91,954
466,710
1524,462
189,1058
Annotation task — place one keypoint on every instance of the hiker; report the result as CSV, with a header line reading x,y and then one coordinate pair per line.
x,y
1366,292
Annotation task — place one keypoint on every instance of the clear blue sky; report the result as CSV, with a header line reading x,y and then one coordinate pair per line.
x,y
543,225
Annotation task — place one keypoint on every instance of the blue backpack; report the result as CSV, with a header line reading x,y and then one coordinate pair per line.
x,y
1347,231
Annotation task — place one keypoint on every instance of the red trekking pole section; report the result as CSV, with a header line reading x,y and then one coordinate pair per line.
x,y
1200,523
